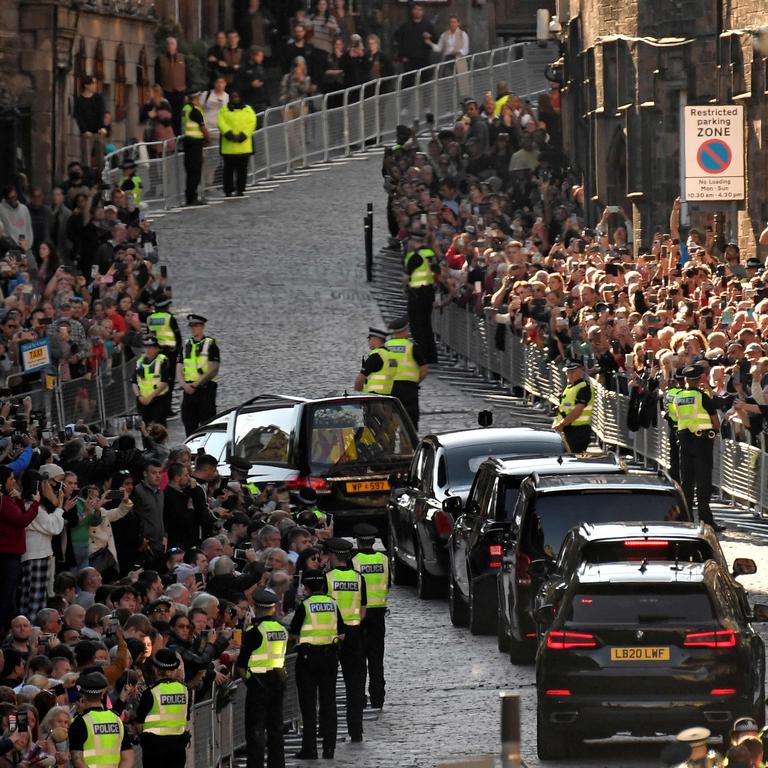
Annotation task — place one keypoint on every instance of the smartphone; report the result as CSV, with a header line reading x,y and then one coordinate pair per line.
x,y
423,219
239,554
727,318
612,208
709,322
12,723
649,358
629,360
22,723
669,304
163,270
478,286
94,271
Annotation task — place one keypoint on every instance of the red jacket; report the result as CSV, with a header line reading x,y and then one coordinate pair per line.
x,y
13,520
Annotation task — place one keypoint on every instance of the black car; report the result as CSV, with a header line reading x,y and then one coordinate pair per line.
x,y
647,648
444,466
545,510
345,448
632,542
483,523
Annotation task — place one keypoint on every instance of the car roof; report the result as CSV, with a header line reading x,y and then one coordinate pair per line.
x,y
573,483
560,465
482,435
593,532
647,573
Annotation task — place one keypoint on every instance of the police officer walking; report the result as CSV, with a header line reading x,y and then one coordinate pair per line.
x,y
151,383
409,370
97,737
574,414
196,136
376,373
262,663
374,568
197,373
420,274
162,713
670,415
318,625
697,428
347,587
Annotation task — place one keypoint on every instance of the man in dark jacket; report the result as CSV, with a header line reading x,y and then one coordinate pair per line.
x,y
88,112
413,40
149,500
252,80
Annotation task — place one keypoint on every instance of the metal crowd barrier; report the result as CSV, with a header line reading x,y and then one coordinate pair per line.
x,y
739,470
335,125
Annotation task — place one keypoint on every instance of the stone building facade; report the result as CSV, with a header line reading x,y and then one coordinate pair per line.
x,y
627,66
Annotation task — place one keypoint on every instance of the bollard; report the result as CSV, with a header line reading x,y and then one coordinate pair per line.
x,y
368,230
510,730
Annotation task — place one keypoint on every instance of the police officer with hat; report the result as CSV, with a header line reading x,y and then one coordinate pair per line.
x,y
306,501
376,373
701,755
670,415
197,373
162,715
419,265
262,663
196,136
410,367
697,427
745,728
96,736
239,469
374,568
151,383
347,587
574,414
318,626
131,184
164,327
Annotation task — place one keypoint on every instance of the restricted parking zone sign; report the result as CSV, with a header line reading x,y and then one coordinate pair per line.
x,y
713,153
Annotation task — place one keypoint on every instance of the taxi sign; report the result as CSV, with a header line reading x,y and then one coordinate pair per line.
x,y
35,355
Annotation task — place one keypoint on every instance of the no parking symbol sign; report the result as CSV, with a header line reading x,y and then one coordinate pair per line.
x,y
713,153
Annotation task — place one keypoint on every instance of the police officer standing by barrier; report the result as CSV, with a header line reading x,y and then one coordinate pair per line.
x,y
164,327
697,428
131,184
196,136
376,373
420,273
670,414
151,383
197,373
409,370
96,736
262,663
162,712
374,568
347,587
574,414
318,625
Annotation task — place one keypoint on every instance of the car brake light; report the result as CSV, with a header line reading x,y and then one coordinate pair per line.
x,y
443,523
723,691
495,551
523,577
557,692
721,638
563,641
646,543
319,484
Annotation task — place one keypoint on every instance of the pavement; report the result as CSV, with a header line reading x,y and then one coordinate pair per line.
x,y
280,275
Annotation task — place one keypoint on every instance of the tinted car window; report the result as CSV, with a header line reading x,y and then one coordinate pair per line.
x,y
685,551
362,432
263,437
553,515
641,605
508,498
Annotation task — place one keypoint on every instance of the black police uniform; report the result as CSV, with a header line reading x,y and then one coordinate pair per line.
x,y
579,437
420,303
78,733
200,407
160,751
193,155
157,411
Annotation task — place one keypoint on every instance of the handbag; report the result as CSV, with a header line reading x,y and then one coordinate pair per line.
x,y
102,560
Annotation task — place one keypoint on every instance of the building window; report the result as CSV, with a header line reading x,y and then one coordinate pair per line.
x,y
79,69
98,67
143,80
121,110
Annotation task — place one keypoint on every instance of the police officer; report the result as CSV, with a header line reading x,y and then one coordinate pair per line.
x,y
306,501
262,663
239,469
419,264
164,327
374,568
151,383
376,373
574,414
162,713
701,755
410,368
697,427
131,184
196,136
670,415
318,626
746,728
197,373
347,587
96,736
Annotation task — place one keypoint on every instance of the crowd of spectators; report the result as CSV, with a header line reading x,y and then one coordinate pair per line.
x,y
496,200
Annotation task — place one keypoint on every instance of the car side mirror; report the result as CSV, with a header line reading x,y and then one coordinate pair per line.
x,y
761,612
540,569
744,566
544,614
453,505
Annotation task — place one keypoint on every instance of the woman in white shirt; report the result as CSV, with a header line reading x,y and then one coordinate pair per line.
x,y
453,43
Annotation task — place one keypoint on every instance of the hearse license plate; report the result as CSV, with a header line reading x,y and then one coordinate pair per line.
x,y
642,653
366,486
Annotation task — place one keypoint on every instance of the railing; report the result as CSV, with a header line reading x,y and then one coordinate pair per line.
x,y
335,125
739,468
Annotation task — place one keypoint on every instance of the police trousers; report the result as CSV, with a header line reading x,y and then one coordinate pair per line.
x,y
674,452
317,667
163,751
352,657
264,719
374,629
198,408
420,302
407,392
154,413
696,462
193,167
578,438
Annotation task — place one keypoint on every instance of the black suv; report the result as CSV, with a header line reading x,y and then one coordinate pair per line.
x,y
483,523
647,649
545,510
345,448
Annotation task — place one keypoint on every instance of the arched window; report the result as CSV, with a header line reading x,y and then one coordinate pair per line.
x,y
121,110
79,69
98,67
143,80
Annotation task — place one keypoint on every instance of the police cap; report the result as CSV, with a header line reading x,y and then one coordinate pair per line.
x,y
126,164
307,496
399,324
694,737
92,684
377,333
573,365
162,303
754,263
364,531
166,659
338,546
151,341
678,374
745,725
693,371
264,598
313,577
240,464
196,320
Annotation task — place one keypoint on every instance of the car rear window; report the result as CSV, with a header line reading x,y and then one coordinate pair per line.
x,y
554,514
658,549
359,432
667,604
264,437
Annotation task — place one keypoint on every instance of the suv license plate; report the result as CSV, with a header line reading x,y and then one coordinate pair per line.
x,y
642,653
366,486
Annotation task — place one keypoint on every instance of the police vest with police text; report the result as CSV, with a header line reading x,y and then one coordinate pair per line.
x,y
149,374
321,625
345,587
406,368
271,653
568,403
691,414
374,568
380,381
159,324
196,363
168,716
105,738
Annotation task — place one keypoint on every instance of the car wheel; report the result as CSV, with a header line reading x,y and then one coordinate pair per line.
x,y
457,608
428,586
483,611
521,652
550,743
399,572
502,638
